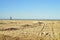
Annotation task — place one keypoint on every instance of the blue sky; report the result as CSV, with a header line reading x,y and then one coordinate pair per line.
x,y
30,9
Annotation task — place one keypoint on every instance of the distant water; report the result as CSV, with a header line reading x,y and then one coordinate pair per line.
x,y
32,19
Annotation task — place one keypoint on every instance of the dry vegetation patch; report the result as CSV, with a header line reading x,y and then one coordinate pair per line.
x,y
40,30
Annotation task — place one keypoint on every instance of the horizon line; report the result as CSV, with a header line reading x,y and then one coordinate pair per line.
x,y
29,19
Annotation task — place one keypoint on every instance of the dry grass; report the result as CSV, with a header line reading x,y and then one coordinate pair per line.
x,y
29,30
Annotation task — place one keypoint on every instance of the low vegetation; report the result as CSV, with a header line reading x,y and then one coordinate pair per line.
x,y
29,30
